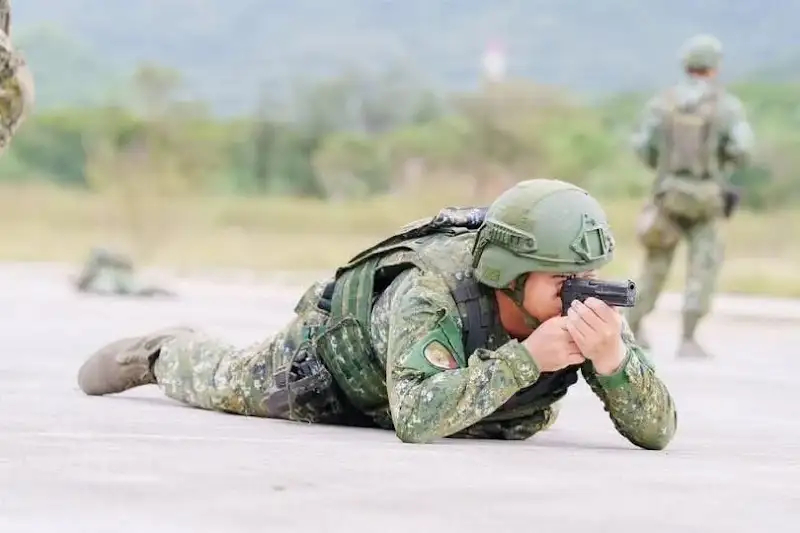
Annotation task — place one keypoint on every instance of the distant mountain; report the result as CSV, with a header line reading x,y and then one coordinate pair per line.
x,y
229,49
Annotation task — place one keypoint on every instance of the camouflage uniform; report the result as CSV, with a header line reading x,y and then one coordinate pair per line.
x,y
107,272
406,338
16,82
690,135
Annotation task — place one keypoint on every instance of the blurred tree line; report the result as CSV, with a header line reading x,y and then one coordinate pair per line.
x,y
363,133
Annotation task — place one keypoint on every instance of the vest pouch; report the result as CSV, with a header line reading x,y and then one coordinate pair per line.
x,y
346,350
655,229
303,390
689,198
690,135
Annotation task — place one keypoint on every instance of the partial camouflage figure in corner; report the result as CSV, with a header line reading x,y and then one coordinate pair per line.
x,y
692,135
107,272
16,82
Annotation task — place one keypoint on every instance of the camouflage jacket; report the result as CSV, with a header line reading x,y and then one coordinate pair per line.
x,y
736,139
426,386
16,83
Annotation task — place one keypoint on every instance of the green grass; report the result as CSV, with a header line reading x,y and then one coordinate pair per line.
x,y
39,223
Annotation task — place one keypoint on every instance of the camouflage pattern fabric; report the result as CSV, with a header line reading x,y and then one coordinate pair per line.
x,y
16,82
705,250
432,392
205,372
685,207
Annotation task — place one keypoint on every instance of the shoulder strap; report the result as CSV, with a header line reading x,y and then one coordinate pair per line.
x,y
476,314
475,309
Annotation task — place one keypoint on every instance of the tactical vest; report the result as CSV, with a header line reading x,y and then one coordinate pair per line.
x,y
690,137
689,186
345,346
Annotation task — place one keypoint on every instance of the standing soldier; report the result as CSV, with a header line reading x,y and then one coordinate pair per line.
x,y
16,82
691,135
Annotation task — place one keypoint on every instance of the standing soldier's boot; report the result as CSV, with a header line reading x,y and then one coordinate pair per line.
x,y
124,364
689,346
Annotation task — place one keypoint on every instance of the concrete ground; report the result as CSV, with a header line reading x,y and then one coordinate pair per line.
x,y
140,462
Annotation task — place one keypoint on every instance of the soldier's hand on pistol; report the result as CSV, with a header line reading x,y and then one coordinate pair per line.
x,y
552,347
597,330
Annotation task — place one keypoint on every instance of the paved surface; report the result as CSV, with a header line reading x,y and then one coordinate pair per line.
x,y
139,462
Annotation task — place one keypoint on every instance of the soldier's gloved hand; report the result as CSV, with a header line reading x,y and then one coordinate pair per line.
x,y
597,330
551,346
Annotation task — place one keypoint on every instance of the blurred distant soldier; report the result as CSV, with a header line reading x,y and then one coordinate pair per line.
x,y
107,272
691,135
16,82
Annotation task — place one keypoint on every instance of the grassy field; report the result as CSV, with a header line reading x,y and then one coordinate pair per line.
x,y
40,223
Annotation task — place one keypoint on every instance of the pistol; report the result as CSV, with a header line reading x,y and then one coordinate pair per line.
x,y
614,293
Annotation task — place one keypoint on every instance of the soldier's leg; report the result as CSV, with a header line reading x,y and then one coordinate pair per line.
x,y
659,234
653,276
206,372
209,373
277,378
705,257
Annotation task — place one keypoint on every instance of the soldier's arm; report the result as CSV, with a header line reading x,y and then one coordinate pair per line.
x,y
739,139
435,389
643,140
16,91
520,428
638,402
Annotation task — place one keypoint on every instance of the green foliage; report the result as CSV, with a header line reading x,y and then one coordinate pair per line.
x,y
366,133
51,147
351,165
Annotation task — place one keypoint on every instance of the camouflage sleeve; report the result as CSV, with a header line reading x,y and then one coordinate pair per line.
x,y
16,91
521,428
638,402
435,389
739,139
643,140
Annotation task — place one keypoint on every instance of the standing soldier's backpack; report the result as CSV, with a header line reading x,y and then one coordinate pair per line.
x,y
689,185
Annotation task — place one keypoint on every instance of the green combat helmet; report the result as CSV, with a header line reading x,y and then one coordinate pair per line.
x,y
540,225
701,52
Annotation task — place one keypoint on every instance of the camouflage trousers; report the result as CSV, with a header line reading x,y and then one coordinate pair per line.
x,y
276,378
704,260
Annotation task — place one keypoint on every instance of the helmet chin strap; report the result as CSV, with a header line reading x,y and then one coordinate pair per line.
x,y
517,295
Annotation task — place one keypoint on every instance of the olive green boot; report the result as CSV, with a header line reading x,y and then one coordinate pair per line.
x,y
125,363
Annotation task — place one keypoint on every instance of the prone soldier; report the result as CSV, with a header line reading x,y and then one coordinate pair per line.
x,y
453,327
